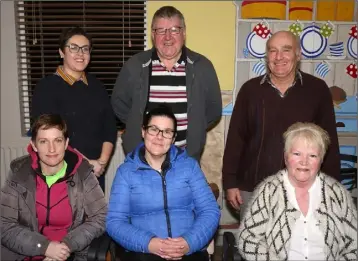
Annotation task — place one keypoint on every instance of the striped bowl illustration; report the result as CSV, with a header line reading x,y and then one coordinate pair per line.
x,y
259,68
322,69
336,49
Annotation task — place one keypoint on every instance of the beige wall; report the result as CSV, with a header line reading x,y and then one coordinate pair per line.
x,y
210,31
10,107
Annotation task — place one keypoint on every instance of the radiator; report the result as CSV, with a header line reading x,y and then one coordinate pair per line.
x,y
117,159
9,153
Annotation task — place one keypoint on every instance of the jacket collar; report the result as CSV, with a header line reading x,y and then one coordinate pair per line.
x,y
172,155
72,158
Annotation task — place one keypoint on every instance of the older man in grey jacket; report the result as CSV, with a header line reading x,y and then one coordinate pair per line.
x,y
173,74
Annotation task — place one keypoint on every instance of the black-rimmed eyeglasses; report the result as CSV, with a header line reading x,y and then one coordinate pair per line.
x,y
154,131
74,48
173,30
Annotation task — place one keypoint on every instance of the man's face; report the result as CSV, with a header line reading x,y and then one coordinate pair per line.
x,y
283,55
169,45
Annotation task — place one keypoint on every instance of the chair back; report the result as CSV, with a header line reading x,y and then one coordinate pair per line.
x,y
348,175
348,171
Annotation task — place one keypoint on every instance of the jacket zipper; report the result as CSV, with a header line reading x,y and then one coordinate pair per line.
x,y
165,196
47,210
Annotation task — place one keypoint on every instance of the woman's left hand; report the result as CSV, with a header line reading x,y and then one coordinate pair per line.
x,y
176,247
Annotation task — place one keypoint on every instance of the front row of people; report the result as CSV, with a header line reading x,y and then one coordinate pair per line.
x,y
161,207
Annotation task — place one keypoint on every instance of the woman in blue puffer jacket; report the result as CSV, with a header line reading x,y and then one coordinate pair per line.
x,y
161,207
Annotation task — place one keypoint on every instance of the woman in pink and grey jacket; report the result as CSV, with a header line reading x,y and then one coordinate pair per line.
x,y
52,206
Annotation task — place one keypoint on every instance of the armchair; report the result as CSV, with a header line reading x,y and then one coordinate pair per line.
x,y
348,175
102,248
230,251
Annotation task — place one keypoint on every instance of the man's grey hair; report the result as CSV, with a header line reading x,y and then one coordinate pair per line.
x,y
297,42
168,12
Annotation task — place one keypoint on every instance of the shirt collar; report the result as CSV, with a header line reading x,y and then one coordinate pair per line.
x,y
267,78
314,190
181,61
68,78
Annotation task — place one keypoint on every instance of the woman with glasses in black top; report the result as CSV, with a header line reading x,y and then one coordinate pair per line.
x,y
80,99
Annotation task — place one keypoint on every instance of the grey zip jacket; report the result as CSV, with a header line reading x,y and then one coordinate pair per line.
x,y
19,229
130,97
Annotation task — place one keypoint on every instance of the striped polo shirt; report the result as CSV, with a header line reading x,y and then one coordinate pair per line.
x,y
169,87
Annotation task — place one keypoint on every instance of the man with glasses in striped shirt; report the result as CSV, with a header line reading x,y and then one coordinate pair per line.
x,y
169,73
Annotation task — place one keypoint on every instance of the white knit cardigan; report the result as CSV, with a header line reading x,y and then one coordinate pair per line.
x,y
266,228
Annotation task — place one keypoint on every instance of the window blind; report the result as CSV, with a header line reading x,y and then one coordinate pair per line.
x,y
117,29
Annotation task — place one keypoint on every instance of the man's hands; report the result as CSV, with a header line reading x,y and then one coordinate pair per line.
x,y
170,248
57,251
234,197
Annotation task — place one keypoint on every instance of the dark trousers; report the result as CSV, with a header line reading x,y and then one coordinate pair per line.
x,y
101,182
133,256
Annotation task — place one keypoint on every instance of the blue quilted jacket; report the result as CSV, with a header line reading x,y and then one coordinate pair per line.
x,y
177,203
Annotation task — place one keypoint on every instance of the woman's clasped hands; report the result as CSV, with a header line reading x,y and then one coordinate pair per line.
x,y
169,248
57,251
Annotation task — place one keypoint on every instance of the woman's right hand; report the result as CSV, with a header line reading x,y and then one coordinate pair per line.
x,y
57,251
156,246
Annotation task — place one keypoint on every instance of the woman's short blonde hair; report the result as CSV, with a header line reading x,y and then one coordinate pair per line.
x,y
309,133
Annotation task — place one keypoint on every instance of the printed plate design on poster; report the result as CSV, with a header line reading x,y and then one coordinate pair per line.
x,y
257,45
312,42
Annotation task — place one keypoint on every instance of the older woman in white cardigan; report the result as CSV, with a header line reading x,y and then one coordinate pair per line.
x,y
300,213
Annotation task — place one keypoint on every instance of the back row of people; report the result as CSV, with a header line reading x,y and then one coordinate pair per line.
x,y
168,73
186,81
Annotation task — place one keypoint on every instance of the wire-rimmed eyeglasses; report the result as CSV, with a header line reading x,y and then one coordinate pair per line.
x,y
173,30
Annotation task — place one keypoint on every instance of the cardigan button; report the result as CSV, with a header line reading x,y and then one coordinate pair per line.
x,y
38,245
